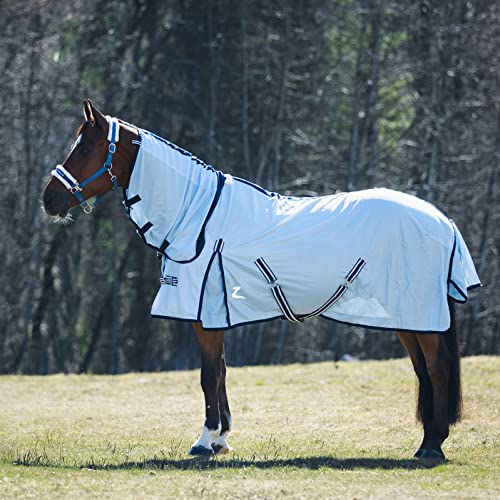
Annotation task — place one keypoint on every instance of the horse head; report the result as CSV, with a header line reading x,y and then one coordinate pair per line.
x,y
98,162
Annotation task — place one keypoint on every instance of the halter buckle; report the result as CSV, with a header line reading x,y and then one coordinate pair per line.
x,y
86,207
75,189
112,148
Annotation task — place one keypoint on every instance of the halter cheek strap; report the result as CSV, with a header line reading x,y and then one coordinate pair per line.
x,y
76,188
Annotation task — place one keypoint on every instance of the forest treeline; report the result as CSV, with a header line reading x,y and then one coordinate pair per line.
x,y
303,97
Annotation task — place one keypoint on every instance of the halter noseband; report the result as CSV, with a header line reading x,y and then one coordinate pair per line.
x,y
76,188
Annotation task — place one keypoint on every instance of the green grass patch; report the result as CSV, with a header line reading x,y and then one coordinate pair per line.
x,y
324,430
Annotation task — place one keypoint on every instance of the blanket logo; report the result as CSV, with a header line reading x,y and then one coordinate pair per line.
x,y
235,295
169,280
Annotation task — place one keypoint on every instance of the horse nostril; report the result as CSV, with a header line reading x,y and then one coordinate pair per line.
x,y
50,203
47,199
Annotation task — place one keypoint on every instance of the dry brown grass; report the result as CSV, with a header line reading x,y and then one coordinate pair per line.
x,y
324,430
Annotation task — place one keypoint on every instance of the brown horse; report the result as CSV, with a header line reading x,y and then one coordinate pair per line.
x,y
96,165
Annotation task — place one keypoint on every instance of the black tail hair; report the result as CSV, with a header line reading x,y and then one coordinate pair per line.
x,y
454,385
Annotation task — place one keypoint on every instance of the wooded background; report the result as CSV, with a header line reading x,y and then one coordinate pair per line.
x,y
303,97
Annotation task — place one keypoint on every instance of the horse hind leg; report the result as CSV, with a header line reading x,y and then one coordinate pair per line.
x,y
442,357
440,398
425,404
438,362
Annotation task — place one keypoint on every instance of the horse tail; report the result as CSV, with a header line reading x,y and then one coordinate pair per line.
x,y
454,384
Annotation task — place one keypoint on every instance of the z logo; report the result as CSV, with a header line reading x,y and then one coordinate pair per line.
x,y
235,295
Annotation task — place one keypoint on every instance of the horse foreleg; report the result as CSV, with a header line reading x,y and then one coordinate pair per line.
x,y
220,444
438,362
212,349
425,406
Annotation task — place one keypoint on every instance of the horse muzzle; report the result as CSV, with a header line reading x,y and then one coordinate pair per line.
x,y
56,203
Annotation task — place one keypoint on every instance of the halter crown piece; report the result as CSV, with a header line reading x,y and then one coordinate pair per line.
x,y
76,188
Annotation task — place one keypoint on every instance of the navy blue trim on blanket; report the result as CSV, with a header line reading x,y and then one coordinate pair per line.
x,y
182,151
256,186
204,284
134,160
218,246
271,194
459,290
452,255
449,281
228,318
200,241
383,328
194,320
477,285
160,316
246,323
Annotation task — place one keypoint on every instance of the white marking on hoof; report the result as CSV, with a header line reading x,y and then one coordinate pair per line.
x,y
220,445
208,436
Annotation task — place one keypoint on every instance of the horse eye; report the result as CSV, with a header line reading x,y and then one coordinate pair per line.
x,y
84,148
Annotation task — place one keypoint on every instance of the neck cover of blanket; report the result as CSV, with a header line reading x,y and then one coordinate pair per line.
x,y
170,198
235,254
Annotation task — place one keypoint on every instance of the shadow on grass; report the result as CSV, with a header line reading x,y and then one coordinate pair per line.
x,y
210,463
311,463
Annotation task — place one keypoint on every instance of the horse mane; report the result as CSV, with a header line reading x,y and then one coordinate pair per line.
x,y
127,124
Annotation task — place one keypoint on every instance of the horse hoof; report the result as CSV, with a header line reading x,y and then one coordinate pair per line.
x,y
219,449
431,454
418,453
201,451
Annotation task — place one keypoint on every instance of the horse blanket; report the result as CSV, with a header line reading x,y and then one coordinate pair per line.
x,y
233,253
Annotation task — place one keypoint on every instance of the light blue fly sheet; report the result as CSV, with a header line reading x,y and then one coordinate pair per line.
x,y
233,253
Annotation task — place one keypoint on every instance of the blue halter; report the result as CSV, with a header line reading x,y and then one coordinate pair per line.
x,y
76,187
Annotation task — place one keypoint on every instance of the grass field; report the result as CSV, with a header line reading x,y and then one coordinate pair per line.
x,y
300,431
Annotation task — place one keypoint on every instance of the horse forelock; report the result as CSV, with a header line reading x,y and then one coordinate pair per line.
x,y
82,128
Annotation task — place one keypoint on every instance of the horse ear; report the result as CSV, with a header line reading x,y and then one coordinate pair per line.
x,y
99,118
93,115
87,111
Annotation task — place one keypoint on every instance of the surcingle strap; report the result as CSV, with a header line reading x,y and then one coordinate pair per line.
x,y
219,245
283,304
350,277
277,291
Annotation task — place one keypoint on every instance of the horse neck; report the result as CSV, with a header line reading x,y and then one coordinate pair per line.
x,y
125,154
